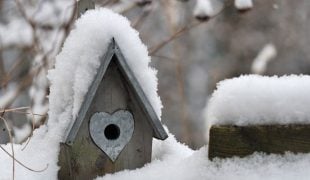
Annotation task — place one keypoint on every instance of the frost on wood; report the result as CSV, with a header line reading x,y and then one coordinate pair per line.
x,y
243,4
254,99
205,9
74,71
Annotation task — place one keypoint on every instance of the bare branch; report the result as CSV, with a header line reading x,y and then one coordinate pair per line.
x,y
22,164
177,34
11,142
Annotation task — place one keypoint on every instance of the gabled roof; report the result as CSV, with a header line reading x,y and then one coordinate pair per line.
x,y
113,49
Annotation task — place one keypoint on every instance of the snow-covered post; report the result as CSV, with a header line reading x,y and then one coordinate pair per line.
x,y
259,114
107,91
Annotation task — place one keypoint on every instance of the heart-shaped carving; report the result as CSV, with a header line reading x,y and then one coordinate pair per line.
x,y
111,133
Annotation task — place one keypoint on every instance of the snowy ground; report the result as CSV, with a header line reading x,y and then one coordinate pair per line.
x,y
180,163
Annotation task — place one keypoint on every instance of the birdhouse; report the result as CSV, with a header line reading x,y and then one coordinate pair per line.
x,y
115,125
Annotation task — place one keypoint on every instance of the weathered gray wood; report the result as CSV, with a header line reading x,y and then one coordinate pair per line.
x,y
157,128
85,159
159,131
227,141
74,127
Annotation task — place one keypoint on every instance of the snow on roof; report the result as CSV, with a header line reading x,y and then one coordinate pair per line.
x,y
74,71
79,60
255,99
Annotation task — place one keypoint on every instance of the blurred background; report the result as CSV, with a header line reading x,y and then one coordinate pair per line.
x,y
193,43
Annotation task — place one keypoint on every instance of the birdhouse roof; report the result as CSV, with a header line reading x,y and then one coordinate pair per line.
x,y
152,118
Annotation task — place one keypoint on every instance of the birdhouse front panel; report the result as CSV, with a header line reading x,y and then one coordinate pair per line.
x,y
114,135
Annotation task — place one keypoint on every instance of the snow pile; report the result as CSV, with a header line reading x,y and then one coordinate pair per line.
x,y
254,99
205,9
259,65
197,166
74,71
243,4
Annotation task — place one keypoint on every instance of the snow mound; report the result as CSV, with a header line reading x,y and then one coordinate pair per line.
x,y
255,99
74,71
197,166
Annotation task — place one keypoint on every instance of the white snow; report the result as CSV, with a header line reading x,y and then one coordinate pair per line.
x,y
8,95
207,8
260,63
197,166
283,98
243,4
255,99
16,33
74,71
37,92
21,134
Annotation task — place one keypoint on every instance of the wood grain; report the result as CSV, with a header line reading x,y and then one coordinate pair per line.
x,y
228,141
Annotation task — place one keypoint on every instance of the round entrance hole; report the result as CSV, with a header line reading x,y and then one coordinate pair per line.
x,y
112,132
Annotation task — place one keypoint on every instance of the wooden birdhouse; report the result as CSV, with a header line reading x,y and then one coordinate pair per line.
x,y
115,125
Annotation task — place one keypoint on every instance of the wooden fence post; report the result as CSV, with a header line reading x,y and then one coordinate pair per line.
x,y
228,140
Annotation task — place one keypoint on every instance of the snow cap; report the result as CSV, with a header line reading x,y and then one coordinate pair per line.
x,y
79,60
255,99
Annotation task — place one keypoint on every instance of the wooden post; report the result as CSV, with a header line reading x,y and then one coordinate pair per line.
x,y
227,140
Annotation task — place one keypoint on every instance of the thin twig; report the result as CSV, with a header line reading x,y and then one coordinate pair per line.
x,y
14,109
22,164
164,57
177,34
108,2
12,147
32,122
22,112
142,17
11,142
